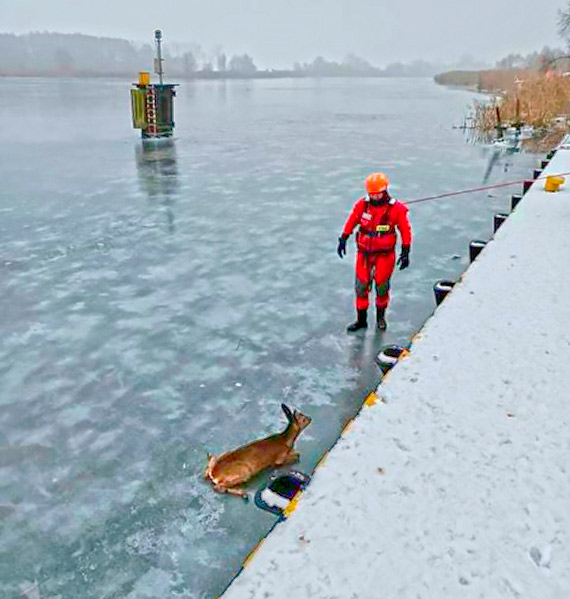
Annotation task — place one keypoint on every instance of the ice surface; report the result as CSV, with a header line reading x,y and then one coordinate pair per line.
x,y
140,285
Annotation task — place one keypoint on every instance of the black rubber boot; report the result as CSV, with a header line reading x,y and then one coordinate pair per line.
x,y
361,322
380,320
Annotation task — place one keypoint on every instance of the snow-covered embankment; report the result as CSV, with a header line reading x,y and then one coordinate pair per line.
x,y
456,481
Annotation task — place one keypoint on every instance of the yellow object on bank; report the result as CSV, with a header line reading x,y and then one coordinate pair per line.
x,y
144,78
371,399
553,183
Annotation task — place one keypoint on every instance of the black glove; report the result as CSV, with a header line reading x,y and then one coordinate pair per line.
x,y
404,259
341,249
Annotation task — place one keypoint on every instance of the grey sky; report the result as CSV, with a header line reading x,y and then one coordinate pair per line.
x,y
278,33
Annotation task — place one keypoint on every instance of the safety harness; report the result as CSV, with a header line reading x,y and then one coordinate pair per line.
x,y
384,227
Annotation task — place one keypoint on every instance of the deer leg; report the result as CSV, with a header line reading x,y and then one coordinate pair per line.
x,y
239,492
289,458
292,457
231,491
211,464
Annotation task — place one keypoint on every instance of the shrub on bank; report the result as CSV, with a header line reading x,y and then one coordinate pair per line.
x,y
492,80
544,102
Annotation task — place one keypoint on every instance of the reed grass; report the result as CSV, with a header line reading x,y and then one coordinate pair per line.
x,y
544,103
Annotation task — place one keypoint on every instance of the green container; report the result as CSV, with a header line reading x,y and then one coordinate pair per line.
x,y
164,107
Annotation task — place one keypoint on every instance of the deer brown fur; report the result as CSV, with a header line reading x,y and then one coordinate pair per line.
x,y
229,470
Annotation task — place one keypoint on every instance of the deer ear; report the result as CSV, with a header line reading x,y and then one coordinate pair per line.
x,y
287,412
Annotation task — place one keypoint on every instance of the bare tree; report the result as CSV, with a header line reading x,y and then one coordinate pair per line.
x,y
243,65
222,62
189,62
564,24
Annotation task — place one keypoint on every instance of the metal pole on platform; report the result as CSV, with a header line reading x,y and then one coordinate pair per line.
x,y
158,66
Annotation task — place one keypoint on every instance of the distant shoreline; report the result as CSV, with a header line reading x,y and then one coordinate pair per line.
x,y
78,56
214,76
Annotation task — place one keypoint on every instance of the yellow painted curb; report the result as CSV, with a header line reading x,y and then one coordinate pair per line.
x,y
371,399
292,505
252,553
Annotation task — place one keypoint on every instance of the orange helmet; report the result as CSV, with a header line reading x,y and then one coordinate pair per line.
x,y
376,183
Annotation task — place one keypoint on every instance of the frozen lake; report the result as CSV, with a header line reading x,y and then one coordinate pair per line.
x,y
159,304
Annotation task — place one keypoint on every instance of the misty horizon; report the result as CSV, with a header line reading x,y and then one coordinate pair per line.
x,y
77,54
278,36
60,44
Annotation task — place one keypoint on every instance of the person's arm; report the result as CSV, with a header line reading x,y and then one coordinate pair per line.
x,y
403,224
353,219
351,222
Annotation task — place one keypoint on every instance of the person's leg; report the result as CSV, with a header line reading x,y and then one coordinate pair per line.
x,y
384,269
362,288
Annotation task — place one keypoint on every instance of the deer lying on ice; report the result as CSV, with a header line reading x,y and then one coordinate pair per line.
x,y
236,467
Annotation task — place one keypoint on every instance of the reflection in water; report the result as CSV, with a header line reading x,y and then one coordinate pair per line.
x,y
356,352
222,90
158,175
499,155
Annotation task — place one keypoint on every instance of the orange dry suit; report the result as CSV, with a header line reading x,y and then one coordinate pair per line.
x,y
376,243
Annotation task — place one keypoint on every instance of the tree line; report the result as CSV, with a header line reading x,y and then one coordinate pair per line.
x,y
536,61
57,54
77,54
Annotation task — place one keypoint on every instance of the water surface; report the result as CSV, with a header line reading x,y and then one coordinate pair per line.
x,y
161,302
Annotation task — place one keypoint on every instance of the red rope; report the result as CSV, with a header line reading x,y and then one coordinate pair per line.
x,y
474,189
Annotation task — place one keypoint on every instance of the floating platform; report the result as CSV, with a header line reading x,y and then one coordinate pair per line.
x,y
454,479
152,107
152,104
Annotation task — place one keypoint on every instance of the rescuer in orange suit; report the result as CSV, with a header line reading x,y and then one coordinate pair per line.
x,y
378,216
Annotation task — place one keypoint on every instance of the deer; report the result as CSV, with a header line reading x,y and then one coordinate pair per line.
x,y
234,468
